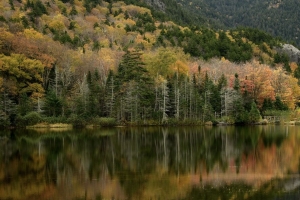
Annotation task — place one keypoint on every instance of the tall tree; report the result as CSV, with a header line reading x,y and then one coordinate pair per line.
x,y
132,69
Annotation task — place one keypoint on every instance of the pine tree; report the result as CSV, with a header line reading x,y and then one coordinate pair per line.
x,y
254,115
131,70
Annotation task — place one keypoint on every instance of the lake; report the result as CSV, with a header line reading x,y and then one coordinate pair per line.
x,y
151,163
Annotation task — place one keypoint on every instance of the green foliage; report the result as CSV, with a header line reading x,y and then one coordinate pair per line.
x,y
11,3
133,93
73,11
31,118
24,105
38,9
54,120
254,114
267,105
105,121
276,113
53,104
282,58
263,15
134,86
77,121
72,25
4,120
227,120
279,105
2,19
207,45
25,22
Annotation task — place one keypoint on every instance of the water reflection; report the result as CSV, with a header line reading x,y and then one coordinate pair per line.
x,y
151,163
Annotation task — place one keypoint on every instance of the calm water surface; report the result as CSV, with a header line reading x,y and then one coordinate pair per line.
x,y
259,162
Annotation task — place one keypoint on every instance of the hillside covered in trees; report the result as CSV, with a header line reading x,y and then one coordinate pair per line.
x,y
112,62
277,17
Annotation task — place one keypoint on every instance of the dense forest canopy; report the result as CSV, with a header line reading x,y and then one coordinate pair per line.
x,y
277,17
77,61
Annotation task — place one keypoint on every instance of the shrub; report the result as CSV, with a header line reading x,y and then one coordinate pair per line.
x,y
53,120
227,120
107,121
29,119
76,121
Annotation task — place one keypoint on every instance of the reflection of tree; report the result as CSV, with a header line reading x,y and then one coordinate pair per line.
x,y
145,163
269,190
22,169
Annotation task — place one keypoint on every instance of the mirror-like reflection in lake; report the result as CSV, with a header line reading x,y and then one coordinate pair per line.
x,y
258,162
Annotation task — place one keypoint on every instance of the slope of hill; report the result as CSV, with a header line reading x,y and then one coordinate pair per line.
x,y
71,60
279,18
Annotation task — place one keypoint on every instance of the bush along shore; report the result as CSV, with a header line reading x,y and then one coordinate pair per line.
x,y
36,120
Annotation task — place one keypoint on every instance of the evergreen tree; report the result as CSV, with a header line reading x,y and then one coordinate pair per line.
x,y
131,69
53,105
254,115
279,105
236,84
267,105
24,104
7,109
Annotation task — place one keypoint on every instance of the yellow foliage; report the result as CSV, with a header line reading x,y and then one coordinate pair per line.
x,y
217,35
229,36
140,40
286,87
103,10
159,80
267,47
266,58
134,10
184,28
163,61
25,74
108,57
16,15
293,66
60,4
119,4
31,33
180,67
78,3
295,91
4,36
57,25
130,22
244,39
105,42
256,50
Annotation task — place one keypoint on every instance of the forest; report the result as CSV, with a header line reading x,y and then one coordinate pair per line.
x,y
115,63
279,18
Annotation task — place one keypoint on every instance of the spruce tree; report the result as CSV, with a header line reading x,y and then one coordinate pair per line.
x,y
254,115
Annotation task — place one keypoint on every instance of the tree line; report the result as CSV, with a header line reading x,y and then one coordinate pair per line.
x,y
132,96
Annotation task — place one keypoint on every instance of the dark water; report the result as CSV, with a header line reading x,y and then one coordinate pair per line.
x,y
259,162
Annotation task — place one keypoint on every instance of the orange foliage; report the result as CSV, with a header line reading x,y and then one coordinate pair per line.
x,y
259,80
179,67
91,19
293,66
